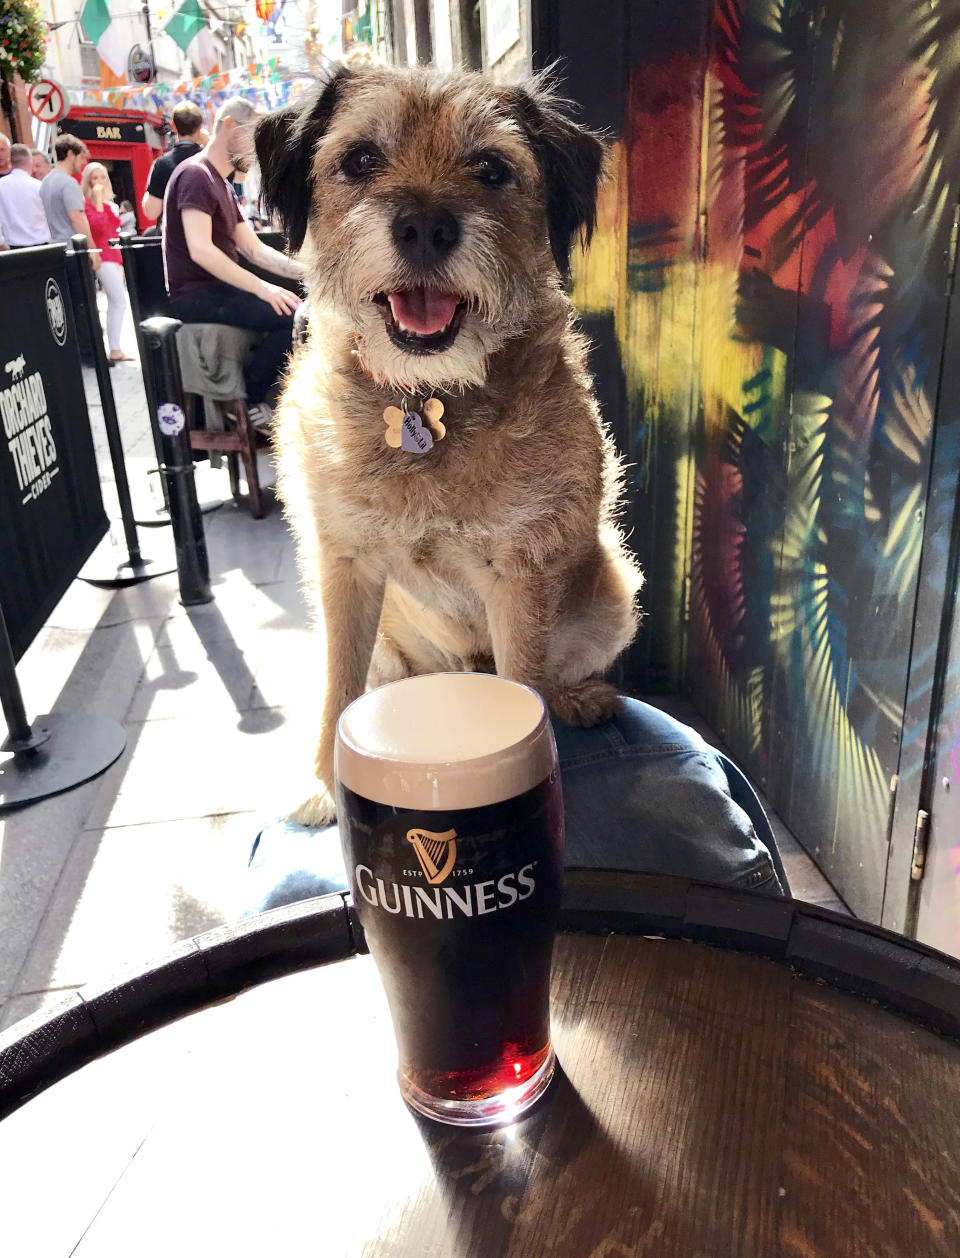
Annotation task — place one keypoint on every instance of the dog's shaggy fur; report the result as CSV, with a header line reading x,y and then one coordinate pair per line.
x,y
498,547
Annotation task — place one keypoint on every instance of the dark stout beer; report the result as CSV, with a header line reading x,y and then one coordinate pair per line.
x,y
458,904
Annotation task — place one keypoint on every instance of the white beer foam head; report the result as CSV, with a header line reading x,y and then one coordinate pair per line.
x,y
447,740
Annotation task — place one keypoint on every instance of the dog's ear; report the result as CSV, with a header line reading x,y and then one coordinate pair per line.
x,y
285,141
571,160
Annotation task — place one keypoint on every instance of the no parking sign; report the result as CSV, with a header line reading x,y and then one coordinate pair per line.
x,y
47,100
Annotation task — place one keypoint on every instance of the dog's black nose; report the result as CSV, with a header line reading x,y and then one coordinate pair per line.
x,y
425,237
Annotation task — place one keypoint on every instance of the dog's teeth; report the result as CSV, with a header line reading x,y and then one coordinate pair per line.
x,y
420,336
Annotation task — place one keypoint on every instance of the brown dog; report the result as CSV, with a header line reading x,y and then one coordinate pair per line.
x,y
436,214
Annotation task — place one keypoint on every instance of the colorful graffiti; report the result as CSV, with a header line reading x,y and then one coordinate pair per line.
x,y
775,250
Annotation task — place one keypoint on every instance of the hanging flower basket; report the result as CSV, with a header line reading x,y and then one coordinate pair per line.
x,y
23,39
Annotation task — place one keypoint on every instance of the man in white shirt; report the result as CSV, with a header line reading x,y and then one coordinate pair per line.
x,y
22,217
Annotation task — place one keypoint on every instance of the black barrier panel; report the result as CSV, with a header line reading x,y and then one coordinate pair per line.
x,y
51,512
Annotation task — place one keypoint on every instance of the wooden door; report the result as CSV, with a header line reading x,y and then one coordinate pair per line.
x,y
923,877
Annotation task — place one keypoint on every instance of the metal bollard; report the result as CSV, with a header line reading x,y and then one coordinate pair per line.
x,y
88,313
22,739
128,251
176,459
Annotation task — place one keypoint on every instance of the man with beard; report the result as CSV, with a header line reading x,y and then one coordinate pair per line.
x,y
203,235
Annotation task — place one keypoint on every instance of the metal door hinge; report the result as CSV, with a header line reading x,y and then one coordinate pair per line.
x,y
951,258
920,836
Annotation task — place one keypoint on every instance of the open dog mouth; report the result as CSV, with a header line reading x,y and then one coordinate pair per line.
x,y
421,320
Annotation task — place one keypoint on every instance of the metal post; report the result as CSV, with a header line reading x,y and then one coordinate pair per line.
x,y
59,752
136,307
110,422
176,459
21,738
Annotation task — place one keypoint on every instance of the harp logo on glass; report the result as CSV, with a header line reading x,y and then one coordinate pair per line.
x,y
435,852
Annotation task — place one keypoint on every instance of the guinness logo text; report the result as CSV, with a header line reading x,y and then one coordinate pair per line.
x,y
473,899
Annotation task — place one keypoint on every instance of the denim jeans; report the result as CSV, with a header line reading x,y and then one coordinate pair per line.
x,y
222,303
642,792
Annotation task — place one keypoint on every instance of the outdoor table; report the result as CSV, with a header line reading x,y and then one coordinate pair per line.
x,y
719,1094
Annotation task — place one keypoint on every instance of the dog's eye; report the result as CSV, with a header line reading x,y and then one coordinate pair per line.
x,y
362,161
490,169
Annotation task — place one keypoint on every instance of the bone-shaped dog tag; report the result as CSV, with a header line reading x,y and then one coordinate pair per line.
x,y
432,413
406,430
413,436
393,418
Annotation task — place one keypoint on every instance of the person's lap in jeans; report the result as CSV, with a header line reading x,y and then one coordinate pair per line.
x,y
642,792
222,303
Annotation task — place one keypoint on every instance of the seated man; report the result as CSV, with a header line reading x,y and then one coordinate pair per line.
x,y
203,233
641,792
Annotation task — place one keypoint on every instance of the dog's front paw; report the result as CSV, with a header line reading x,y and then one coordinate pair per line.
x,y
319,810
587,703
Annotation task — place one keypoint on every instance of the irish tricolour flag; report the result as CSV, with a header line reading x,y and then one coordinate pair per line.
x,y
105,33
189,30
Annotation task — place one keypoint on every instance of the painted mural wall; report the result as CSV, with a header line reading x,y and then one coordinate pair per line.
x,y
774,257
637,290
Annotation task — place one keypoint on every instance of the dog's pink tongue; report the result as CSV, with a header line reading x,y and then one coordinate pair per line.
x,y
422,310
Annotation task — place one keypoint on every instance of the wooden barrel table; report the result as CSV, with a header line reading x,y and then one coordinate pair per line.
x,y
738,1077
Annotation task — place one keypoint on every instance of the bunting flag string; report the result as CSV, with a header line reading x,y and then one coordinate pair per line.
x,y
261,82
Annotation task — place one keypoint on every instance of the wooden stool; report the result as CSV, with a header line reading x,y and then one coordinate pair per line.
x,y
212,361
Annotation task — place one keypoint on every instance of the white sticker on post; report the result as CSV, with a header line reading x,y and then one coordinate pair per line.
x,y
170,418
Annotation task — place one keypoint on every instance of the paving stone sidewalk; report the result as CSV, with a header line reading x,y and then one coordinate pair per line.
x,y
215,701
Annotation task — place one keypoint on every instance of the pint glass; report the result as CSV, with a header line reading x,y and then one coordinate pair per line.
x,y
451,818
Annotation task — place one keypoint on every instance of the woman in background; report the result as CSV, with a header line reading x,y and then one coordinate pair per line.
x,y
104,219
128,220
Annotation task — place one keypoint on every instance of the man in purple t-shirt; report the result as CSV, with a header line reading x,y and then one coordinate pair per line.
x,y
203,233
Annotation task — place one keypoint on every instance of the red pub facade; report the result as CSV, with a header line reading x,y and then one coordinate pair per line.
x,y
126,141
